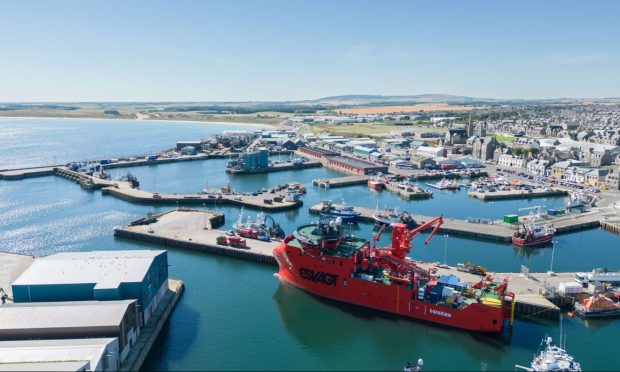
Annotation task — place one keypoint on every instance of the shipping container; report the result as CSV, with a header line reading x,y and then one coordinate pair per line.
x,y
511,218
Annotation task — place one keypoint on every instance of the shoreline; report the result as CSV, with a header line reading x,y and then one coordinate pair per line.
x,y
140,120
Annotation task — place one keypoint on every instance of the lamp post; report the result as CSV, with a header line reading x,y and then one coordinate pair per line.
x,y
550,272
205,214
445,248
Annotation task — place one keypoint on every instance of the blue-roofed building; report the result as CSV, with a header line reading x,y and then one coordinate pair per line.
x,y
252,161
102,276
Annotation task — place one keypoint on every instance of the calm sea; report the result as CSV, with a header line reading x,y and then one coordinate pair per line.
x,y
235,314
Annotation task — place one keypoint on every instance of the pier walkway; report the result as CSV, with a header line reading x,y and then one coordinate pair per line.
x,y
11,267
409,192
255,202
495,232
185,229
277,168
149,333
340,181
516,194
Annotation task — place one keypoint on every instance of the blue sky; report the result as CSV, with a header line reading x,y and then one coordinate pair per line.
x,y
288,50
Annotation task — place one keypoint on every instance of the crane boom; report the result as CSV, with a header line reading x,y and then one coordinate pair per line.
x,y
401,236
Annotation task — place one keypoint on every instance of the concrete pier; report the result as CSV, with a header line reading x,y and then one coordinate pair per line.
x,y
340,181
516,194
496,230
493,232
277,168
11,267
611,226
19,174
185,229
123,190
149,333
423,175
249,201
409,193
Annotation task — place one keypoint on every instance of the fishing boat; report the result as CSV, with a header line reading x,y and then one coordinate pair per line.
x,y
532,235
377,182
552,358
412,187
388,217
264,227
597,305
346,213
445,184
320,259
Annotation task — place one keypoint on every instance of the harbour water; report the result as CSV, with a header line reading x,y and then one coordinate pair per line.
x,y
236,315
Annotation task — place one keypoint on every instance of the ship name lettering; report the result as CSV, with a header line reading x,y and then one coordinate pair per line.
x,y
318,276
441,313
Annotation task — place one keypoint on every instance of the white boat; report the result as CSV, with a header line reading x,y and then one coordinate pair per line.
x,y
552,358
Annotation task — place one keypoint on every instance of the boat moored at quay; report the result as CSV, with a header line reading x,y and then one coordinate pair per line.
x,y
321,259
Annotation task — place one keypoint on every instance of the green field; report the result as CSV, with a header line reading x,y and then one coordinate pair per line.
x,y
502,138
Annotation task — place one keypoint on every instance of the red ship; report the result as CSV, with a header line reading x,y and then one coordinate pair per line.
x,y
320,259
377,182
533,235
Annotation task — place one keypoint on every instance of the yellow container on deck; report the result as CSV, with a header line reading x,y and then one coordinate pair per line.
x,y
489,301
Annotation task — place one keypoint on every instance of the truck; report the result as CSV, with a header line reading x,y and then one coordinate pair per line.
x,y
231,241
597,275
471,268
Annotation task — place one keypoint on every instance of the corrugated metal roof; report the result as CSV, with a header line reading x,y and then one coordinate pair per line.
x,y
106,269
53,351
62,314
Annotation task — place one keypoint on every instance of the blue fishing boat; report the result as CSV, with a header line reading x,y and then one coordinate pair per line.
x,y
346,213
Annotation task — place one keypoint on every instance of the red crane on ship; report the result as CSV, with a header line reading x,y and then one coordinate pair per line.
x,y
393,258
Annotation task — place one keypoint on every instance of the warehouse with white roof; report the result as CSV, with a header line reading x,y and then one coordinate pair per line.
x,y
104,275
95,354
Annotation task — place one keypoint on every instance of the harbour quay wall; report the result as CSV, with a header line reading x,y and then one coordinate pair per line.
x,y
146,197
219,250
611,226
276,168
19,174
516,194
407,195
451,226
340,181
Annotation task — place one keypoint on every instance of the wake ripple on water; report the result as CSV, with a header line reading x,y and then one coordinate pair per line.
x,y
67,234
21,215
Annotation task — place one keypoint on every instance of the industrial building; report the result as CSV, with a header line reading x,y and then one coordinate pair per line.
x,y
355,166
317,152
72,320
197,145
103,276
90,354
251,161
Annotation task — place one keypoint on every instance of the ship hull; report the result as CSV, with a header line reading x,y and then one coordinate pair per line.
x,y
346,218
330,278
376,185
598,313
532,242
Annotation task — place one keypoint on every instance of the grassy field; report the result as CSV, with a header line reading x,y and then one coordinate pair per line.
x,y
368,129
407,109
268,118
502,138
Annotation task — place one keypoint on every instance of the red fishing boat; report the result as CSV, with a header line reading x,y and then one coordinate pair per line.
x,y
533,235
320,259
377,182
